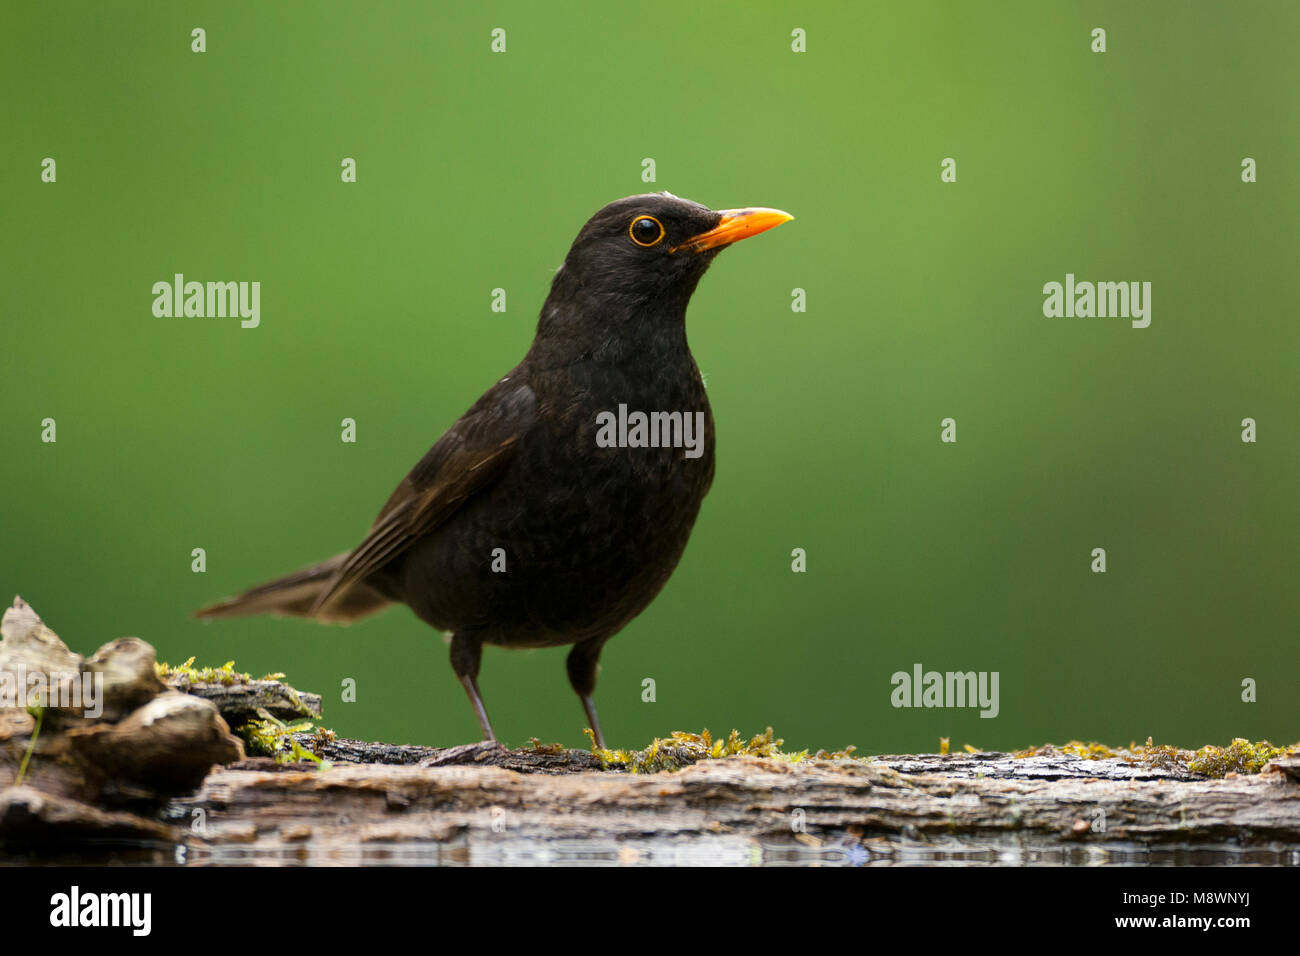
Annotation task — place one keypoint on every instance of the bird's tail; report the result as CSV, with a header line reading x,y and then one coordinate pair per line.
x,y
295,594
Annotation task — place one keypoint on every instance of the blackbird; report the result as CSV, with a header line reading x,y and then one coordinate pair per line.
x,y
556,508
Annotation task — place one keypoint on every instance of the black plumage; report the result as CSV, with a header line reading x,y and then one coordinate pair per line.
x,y
588,534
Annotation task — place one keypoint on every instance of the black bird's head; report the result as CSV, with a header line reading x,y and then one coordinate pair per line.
x,y
635,264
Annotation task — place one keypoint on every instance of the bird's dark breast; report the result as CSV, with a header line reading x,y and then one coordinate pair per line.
x,y
575,539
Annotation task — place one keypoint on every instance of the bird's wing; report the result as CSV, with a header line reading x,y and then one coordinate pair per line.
x,y
468,458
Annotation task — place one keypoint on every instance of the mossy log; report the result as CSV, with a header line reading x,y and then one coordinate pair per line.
x,y
160,777
102,730
743,810
242,702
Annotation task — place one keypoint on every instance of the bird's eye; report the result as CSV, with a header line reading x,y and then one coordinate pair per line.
x,y
646,230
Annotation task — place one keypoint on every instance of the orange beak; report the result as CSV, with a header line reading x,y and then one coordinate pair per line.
x,y
736,224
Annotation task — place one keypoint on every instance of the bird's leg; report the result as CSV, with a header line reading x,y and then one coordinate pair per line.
x,y
466,653
589,706
582,664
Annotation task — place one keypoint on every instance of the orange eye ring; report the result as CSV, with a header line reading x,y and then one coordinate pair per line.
x,y
642,240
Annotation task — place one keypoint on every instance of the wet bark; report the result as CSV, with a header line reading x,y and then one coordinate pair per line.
x,y
477,805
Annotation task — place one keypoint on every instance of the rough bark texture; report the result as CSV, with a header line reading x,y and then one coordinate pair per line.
x,y
528,760
744,810
83,757
240,703
123,786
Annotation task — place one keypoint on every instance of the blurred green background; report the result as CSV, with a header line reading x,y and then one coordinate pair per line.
x,y
924,301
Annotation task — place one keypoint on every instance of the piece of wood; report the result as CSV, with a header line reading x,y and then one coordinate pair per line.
x,y
32,820
527,760
110,736
986,807
239,703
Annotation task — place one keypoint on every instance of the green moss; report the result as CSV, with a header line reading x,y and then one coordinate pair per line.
x,y
682,749
225,674
294,697
1241,756
267,736
1089,751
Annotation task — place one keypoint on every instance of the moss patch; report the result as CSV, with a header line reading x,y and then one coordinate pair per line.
x,y
225,674
1240,756
682,749
269,737
266,735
